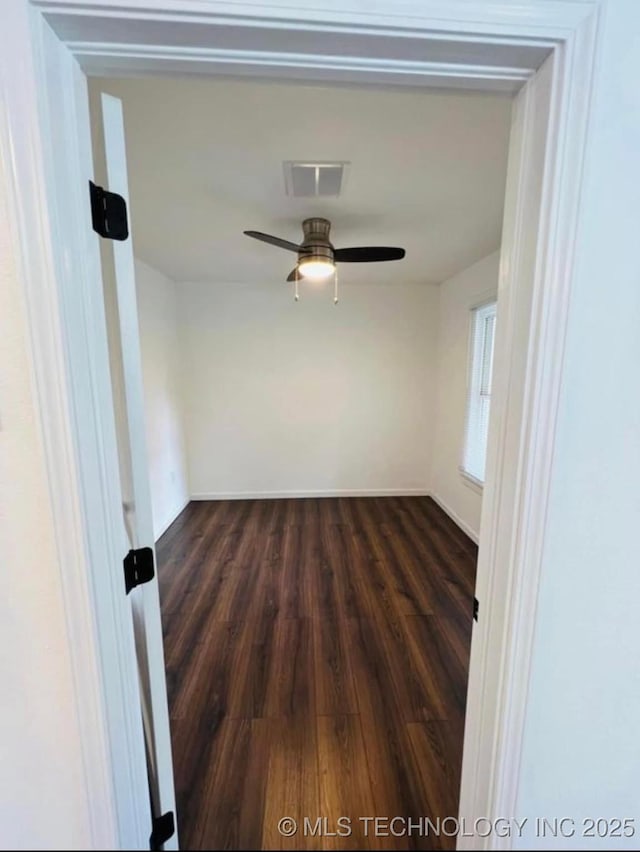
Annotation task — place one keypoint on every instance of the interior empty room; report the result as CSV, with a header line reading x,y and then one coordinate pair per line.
x,y
318,424
316,445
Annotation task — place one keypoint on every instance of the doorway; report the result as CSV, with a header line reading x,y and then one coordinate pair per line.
x,y
545,304
356,398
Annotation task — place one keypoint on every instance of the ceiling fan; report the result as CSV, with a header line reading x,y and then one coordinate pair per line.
x,y
317,257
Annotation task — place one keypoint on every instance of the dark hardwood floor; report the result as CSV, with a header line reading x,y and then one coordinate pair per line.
x,y
317,654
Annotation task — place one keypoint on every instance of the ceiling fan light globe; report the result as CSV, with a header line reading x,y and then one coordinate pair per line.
x,y
316,269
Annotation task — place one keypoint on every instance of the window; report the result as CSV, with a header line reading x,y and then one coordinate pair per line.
x,y
479,392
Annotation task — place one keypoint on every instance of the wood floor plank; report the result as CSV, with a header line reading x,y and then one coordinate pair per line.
x,y
346,797
436,760
291,688
291,782
296,593
235,804
394,784
252,669
317,654
338,550
334,684
191,607
221,804
210,673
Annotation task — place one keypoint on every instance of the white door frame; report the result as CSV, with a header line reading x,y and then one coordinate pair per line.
x,y
469,44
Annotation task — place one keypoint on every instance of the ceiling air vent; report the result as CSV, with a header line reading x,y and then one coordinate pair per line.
x,y
312,180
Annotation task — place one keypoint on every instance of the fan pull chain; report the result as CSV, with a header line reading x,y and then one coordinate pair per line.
x,y
335,285
296,294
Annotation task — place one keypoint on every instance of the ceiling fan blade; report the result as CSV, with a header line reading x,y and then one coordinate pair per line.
x,y
367,254
274,241
293,274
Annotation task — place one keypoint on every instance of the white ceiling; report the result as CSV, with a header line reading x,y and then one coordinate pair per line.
x,y
205,163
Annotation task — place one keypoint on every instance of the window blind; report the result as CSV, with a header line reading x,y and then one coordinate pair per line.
x,y
479,391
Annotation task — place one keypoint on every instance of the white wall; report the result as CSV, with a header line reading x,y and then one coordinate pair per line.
x,y
294,398
581,754
457,296
161,373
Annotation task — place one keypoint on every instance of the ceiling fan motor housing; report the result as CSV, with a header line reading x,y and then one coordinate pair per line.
x,y
316,243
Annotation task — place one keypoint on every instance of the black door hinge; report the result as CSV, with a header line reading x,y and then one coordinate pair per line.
x,y
163,828
476,607
138,567
108,213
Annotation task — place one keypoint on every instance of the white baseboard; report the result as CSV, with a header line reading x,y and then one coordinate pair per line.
x,y
346,492
279,495
165,526
473,535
